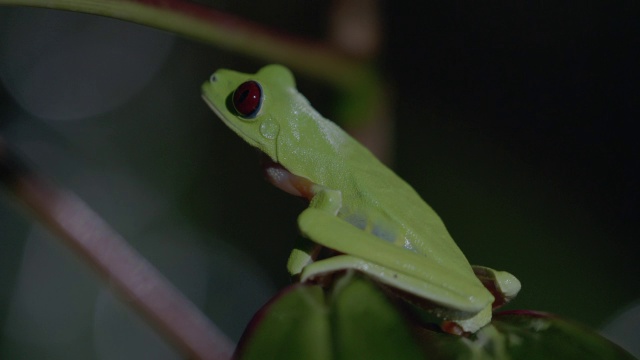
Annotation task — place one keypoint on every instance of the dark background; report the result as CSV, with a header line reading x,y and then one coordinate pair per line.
x,y
525,115
516,122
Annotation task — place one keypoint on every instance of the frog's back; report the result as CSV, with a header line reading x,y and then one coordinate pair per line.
x,y
374,198
387,206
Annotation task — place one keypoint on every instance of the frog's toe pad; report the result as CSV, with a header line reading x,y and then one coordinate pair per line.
x,y
502,285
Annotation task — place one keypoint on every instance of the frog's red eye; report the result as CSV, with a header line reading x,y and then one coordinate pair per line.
x,y
247,99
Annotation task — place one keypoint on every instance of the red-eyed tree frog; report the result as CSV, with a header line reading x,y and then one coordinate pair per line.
x,y
369,218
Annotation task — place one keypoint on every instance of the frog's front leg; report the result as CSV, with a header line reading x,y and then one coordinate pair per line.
x,y
326,200
320,197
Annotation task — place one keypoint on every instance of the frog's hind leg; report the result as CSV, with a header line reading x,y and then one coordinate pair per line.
x,y
319,269
388,263
456,321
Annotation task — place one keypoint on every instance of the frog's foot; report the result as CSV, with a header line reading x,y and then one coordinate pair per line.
x,y
304,254
502,285
298,259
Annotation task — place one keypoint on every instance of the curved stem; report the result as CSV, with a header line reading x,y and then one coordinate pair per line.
x,y
202,23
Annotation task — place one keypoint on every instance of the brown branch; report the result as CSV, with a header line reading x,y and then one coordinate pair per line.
x,y
133,277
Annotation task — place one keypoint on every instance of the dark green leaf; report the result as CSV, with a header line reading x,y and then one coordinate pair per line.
x,y
355,320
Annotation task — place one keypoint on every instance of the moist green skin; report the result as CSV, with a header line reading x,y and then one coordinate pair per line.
x,y
358,206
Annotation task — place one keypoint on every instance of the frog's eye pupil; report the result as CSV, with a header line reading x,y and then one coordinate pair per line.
x,y
247,99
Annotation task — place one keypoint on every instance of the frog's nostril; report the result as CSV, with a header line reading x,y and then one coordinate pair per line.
x,y
213,78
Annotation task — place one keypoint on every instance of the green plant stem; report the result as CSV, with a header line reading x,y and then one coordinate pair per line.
x,y
362,100
225,31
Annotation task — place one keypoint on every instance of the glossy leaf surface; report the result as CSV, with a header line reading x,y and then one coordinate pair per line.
x,y
354,320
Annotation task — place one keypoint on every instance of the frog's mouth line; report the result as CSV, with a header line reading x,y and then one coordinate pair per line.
x,y
230,124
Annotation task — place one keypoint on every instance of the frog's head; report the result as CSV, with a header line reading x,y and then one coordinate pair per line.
x,y
268,112
249,103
